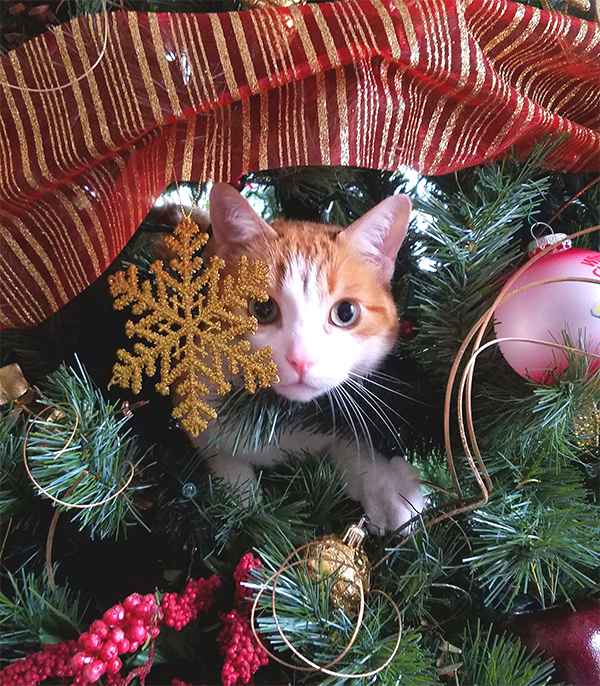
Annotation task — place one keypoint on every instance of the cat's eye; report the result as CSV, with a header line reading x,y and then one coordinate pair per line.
x,y
266,312
345,313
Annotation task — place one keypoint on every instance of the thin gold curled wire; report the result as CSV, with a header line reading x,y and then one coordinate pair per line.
x,y
466,384
313,666
85,74
60,452
480,329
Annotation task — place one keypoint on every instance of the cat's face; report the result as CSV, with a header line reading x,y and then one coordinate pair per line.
x,y
330,314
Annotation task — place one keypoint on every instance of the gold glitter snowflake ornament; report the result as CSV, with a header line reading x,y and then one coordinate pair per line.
x,y
193,322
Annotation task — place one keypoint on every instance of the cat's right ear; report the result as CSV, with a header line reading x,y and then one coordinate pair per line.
x,y
378,234
236,226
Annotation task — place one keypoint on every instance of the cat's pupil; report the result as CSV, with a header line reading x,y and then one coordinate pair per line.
x,y
266,312
346,311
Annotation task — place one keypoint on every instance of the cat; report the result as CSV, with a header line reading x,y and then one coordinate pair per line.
x,y
330,317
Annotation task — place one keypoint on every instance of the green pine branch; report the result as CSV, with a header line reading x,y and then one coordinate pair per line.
x,y
334,195
34,613
544,416
85,452
468,243
548,547
288,503
500,660
15,492
429,575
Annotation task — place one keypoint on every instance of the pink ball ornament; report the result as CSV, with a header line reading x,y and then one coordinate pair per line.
x,y
544,312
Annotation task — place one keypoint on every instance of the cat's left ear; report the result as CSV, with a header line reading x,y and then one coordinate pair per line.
x,y
378,234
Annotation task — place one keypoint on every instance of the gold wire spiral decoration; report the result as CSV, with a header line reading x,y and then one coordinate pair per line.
x,y
311,665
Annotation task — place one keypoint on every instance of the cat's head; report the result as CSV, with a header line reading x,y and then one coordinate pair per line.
x,y
330,313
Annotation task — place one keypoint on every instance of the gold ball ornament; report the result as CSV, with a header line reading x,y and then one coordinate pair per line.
x,y
261,4
587,426
343,558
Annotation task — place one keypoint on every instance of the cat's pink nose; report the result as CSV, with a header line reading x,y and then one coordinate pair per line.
x,y
300,362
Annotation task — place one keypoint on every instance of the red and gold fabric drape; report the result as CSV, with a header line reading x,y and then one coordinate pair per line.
x,y
434,84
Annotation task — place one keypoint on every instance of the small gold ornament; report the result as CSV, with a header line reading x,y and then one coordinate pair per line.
x,y
261,4
587,426
191,324
13,384
344,558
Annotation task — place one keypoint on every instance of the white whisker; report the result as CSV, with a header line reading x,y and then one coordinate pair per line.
x,y
332,410
346,413
378,407
380,403
385,388
361,420
383,404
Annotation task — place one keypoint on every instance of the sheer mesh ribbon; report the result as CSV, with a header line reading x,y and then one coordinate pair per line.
x,y
434,84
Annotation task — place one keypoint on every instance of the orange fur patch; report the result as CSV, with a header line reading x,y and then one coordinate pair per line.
x,y
347,274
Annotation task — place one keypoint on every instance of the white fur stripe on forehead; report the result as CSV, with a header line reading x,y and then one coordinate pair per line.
x,y
378,234
235,224
305,279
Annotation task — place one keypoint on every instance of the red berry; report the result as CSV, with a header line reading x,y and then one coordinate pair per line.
x,y
114,666
94,670
116,635
133,646
114,615
408,327
109,651
123,646
80,660
144,612
136,633
90,642
132,601
99,628
149,599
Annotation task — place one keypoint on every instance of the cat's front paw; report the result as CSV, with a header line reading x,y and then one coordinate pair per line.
x,y
236,472
392,495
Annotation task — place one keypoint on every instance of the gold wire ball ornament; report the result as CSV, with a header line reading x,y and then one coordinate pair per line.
x,y
261,4
587,426
325,557
193,325
343,558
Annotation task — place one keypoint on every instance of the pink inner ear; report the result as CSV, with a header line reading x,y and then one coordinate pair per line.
x,y
236,226
378,235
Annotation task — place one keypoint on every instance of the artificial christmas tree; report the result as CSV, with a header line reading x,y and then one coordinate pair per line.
x,y
512,521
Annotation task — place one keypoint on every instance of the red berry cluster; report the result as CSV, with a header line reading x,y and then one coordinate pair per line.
x,y
241,575
54,661
198,596
122,629
242,654
127,626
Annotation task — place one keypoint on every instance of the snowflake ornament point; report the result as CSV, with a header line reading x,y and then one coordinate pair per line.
x,y
191,326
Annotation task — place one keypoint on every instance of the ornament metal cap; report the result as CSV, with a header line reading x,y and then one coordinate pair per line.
x,y
560,240
355,535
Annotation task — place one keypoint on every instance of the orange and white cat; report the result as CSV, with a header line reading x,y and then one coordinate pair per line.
x,y
330,316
